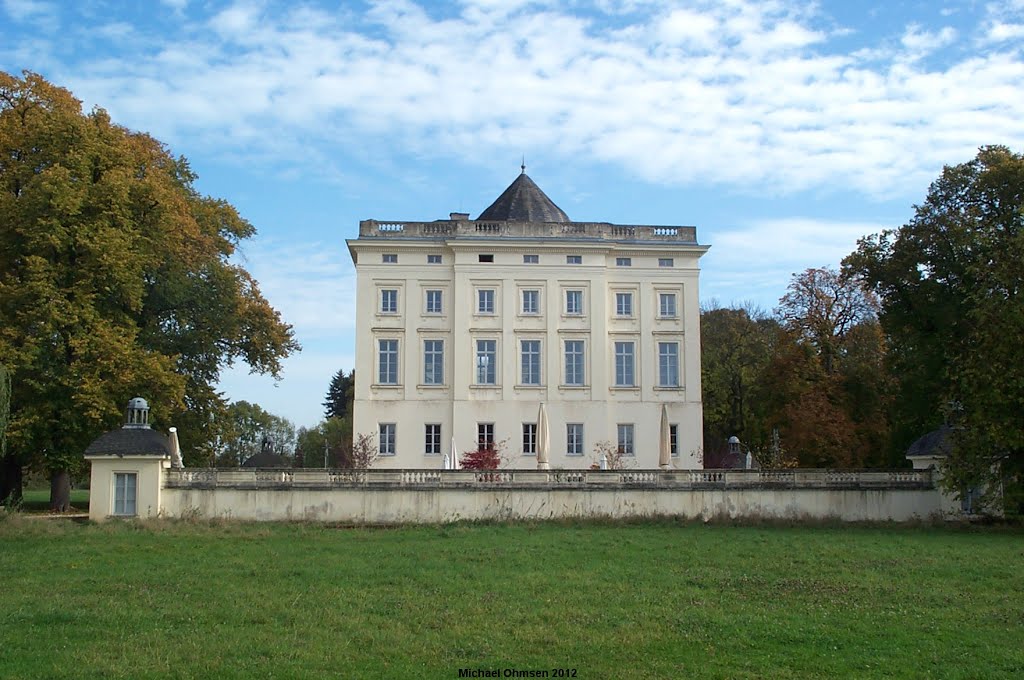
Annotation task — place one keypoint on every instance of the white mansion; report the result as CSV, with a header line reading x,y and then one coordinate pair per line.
x,y
465,327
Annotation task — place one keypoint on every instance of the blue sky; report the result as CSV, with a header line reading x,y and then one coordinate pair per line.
x,y
783,130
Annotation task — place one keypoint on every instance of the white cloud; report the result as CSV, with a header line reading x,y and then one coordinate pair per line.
x,y
755,262
22,10
740,93
312,284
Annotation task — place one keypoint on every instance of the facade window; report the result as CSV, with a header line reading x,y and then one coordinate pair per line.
x,y
668,364
487,258
574,259
623,262
484,436
623,304
389,258
389,301
574,439
485,301
673,440
667,305
531,302
626,439
433,362
665,262
433,259
529,439
530,259
531,362
574,302
432,439
125,493
387,439
574,374
387,362
486,362
625,364
434,298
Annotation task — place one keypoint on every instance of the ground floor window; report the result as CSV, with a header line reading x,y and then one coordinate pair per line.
x,y
433,439
673,440
529,439
574,439
387,439
484,436
125,484
626,439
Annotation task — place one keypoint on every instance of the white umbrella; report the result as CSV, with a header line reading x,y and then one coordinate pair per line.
x,y
455,456
543,439
665,459
175,448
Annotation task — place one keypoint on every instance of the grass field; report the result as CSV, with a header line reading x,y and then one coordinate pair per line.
x,y
657,600
38,500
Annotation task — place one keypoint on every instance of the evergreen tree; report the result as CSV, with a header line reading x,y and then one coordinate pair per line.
x,y
340,395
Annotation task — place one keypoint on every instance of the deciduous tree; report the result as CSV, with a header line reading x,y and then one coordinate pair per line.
x,y
115,281
950,285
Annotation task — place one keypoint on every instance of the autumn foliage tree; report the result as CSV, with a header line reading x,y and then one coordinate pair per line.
x,y
115,281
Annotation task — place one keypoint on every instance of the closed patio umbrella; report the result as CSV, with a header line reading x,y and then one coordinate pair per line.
x,y
543,439
665,457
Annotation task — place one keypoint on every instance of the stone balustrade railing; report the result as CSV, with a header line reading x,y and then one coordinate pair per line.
x,y
444,229
551,479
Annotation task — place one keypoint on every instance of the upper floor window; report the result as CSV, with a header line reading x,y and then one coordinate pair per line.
x,y
387,362
485,301
389,301
531,259
531,302
433,259
389,258
434,305
665,262
667,305
625,364
433,362
486,362
623,262
487,258
574,302
623,304
530,360
574,259
668,364
574,362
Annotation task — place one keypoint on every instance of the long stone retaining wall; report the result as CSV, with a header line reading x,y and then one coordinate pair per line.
x,y
434,496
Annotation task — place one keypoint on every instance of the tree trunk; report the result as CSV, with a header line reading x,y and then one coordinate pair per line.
x,y
60,491
10,480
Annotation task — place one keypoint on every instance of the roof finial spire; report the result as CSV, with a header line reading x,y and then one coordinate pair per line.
x,y
523,166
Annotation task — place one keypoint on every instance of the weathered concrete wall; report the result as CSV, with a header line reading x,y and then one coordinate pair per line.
x,y
425,496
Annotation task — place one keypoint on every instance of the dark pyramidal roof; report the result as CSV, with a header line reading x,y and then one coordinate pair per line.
x,y
523,201
936,443
266,459
130,441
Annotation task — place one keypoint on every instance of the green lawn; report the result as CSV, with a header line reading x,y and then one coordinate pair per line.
x,y
38,500
657,600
